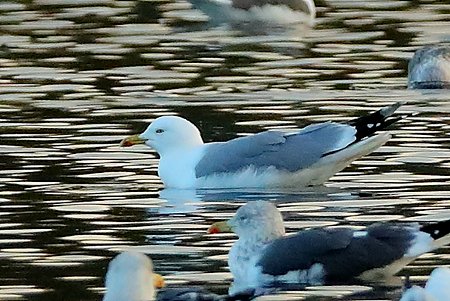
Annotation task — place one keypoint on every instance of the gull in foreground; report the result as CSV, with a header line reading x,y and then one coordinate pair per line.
x,y
430,68
436,289
268,159
130,277
263,255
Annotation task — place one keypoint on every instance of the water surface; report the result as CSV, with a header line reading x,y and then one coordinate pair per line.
x,y
78,76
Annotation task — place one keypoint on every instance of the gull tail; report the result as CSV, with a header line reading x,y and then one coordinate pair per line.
x,y
439,231
367,125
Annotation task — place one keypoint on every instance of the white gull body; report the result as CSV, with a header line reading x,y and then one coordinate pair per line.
x,y
436,289
130,277
264,160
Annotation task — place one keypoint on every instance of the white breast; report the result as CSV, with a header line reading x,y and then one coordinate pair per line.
x,y
177,168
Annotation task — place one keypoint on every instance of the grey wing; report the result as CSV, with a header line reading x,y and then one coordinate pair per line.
x,y
343,254
187,294
300,251
289,152
382,245
300,5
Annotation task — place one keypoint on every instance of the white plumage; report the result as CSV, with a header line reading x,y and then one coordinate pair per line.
x,y
437,288
268,159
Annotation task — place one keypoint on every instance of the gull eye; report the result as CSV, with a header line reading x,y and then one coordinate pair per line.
x,y
159,131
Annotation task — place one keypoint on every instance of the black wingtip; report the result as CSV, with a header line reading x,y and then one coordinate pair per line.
x,y
388,111
437,230
369,124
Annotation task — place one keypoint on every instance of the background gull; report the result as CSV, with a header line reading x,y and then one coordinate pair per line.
x,y
271,11
267,159
430,68
263,255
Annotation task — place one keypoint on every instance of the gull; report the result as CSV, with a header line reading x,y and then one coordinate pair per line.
x,y
430,68
263,255
257,11
130,277
307,157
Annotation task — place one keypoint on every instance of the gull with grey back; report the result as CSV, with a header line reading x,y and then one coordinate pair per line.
x,y
257,12
263,255
430,68
268,159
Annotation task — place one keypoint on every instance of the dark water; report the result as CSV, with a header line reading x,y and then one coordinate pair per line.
x,y
78,76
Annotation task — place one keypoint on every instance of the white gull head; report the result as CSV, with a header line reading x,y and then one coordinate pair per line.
x,y
169,133
258,221
130,277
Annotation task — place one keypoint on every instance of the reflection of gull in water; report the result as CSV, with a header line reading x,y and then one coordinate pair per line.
x,y
191,200
263,255
436,289
271,11
430,68
268,159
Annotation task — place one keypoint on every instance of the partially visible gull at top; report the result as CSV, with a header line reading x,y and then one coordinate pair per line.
x,y
437,288
268,159
265,11
263,255
429,68
130,277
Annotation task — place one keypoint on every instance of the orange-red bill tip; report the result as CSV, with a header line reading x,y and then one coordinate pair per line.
x,y
125,143
213,230
219,227
132,140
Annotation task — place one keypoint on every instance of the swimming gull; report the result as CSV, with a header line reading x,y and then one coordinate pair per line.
x,y
263,255
430,68
130,277
307,157
436,289
257,11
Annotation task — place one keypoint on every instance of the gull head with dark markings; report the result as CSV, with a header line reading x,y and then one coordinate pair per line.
x,y
168,133
259,220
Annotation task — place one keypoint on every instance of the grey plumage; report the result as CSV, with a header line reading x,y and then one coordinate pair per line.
x,y
342,254
297,5
430,68
187,294
289,152
197,294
